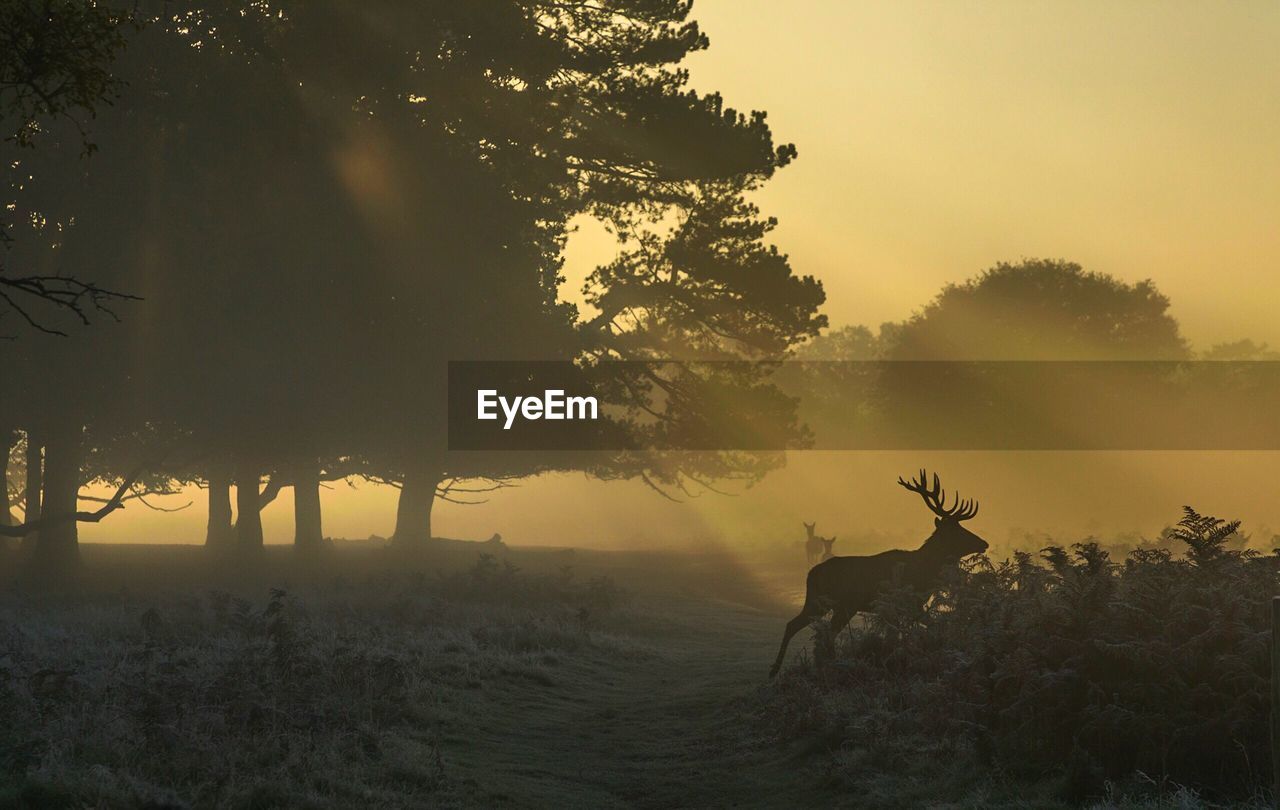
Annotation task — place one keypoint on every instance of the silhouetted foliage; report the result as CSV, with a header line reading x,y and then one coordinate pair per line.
x,y
1035,310
851,343
56,68
55,63
1240,350
1041,309
323,203
1080,668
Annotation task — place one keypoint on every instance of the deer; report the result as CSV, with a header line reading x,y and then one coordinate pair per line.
x,y
816,545
848,585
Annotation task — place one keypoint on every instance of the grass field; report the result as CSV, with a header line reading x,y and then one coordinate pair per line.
x,y
462,676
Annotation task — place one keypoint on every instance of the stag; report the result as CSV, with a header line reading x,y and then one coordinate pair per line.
x,y
848,585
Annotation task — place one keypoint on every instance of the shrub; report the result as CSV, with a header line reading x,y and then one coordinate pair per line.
x,y
1083,668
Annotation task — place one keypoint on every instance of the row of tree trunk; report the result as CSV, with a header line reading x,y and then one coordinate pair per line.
x,y
52,486
246,530
32,486
54,477
413,510
7,439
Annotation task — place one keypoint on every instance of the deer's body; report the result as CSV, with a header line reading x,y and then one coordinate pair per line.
x,y
848,585
853,583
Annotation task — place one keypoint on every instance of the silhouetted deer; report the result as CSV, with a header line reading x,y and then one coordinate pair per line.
x,y
813,545
848,585
817,548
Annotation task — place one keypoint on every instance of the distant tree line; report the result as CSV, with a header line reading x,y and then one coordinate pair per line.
x,y
860,382
1035,309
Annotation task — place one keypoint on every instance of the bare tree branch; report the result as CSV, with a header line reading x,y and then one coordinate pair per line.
x,y
651,485
79,298
271,491
142,500
378,479
115,502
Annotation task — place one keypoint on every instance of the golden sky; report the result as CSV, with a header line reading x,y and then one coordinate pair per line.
x,y
1141,139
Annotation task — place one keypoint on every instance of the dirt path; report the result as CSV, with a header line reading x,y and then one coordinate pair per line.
x,y
666,729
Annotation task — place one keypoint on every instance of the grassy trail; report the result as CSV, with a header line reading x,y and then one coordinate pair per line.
x,y
668,728
409,681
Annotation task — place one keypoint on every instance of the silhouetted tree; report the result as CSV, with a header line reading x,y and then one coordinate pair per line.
x,y
851,343
1043,309
710,289
585,112
1033,310
55,63
56,59
1240,350
318,215
8,440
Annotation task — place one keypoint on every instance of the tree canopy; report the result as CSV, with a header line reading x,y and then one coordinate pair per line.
x,y
321,203
56,69
1043,309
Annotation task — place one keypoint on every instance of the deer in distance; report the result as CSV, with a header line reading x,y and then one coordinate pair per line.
x,y
816,548
827,543
812,548
848,585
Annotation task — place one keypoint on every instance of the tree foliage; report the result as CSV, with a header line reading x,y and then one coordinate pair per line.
x,y
321,203
1042,309
56,63
56,68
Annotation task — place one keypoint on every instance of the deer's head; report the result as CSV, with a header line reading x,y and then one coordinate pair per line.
x,y
949,539
827,543
809,528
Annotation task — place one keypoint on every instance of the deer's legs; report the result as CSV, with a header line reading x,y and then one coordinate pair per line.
x,y
807,614
839,618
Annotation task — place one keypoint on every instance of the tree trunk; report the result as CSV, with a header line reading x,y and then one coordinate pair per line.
x,y
413,512
220,533
57,547
248,514
7,440
308,534
34,483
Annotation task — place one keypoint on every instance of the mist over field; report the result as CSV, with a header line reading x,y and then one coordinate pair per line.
x,y
938,363
1072,495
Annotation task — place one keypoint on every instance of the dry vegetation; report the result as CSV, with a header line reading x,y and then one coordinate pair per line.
x,y
475,676
1065,678
330,697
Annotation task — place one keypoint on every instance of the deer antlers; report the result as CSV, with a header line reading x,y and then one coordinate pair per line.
x,y
935,498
